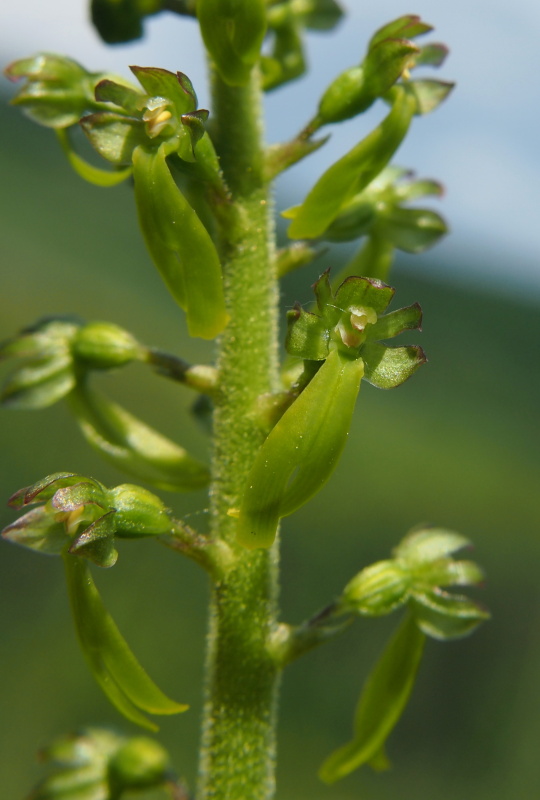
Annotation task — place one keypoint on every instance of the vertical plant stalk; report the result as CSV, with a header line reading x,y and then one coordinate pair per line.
x,y
238,738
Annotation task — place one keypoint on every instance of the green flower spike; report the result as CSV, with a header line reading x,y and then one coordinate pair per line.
x,y
302,450
79,520
97,764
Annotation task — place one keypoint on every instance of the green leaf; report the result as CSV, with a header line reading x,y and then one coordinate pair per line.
x,y
134,447
119,21
95,175
388,367
179,244
111,661
233,32
442,615
301,451
354,171
383,700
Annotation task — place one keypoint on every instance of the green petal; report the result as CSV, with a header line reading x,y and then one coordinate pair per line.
x,y
404,319
442,615
388,367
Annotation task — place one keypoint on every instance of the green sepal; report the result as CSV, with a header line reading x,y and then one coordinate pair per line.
x,y
58,90
394,323
114,136
38,530
175,87
40,384
48,374
382,702
233,32
90,173
388,367
301,451
133,446
409,26
179,244
442,615
426,545
124,95
431,55
307,336
413,189
119,21
46,488
428,94
354,171
111,661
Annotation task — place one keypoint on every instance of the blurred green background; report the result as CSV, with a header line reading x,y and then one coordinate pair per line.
x,y
456,446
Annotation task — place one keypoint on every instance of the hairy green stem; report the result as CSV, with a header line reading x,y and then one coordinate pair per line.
x,y
238,739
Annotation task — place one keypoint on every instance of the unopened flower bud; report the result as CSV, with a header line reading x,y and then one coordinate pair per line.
x,y
102,345
378,589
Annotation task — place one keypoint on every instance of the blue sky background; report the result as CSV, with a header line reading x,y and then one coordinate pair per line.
x,y
482,144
